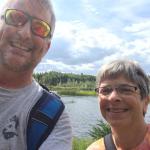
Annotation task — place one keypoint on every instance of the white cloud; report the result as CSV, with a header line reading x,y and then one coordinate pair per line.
x,y
83,37
89,7
128,9
96,37
50,65
140,29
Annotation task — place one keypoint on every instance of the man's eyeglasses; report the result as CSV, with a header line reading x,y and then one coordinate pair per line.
x,y
19,18
123,89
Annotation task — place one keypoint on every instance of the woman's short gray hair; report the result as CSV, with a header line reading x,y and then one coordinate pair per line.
x,y
129,69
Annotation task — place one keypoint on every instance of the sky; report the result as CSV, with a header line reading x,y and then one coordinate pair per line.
x,y
90,33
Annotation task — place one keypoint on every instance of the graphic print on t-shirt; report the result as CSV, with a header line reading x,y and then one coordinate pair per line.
x,y
10,130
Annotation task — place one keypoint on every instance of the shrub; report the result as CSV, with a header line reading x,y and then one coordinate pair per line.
x,y
99,130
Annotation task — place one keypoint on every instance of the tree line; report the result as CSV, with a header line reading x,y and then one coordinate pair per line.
x,y
53,78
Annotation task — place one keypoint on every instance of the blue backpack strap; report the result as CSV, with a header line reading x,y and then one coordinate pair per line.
x,y
109,143
42,119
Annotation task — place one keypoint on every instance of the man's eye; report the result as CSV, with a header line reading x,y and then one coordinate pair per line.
x,y
18,19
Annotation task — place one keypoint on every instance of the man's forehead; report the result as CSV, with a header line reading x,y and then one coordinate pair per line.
x,y
38,3
31,7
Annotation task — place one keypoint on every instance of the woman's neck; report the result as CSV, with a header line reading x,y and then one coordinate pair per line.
x,y
130,137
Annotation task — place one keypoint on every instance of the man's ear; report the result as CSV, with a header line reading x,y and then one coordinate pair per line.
x,y
46,47
49,44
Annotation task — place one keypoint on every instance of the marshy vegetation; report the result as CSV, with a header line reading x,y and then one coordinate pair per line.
x,y
68,83
98,131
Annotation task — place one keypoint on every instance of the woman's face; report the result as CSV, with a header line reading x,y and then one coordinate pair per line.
x,y
120,102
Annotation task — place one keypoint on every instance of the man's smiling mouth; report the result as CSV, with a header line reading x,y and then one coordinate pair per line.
x,y
20,46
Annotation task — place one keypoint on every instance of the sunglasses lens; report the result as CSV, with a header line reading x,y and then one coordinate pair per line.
x,y
40,28
15,17
18,18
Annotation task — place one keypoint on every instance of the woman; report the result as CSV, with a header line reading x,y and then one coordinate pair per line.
x,y
123,92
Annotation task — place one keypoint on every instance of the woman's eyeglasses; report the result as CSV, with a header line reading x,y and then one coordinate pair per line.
x,y
123,89
19,18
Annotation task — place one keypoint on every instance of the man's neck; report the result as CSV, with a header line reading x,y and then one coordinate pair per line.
x,y
14,80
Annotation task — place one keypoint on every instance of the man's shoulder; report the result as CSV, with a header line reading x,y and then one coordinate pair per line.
x,y
97,145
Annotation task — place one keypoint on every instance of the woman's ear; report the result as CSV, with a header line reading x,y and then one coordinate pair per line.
x,y
146,102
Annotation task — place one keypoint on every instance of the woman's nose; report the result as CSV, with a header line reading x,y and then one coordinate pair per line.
x,y
114,95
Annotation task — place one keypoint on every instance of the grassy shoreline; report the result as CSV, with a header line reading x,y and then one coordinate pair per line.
x,y
73,91
76,93
81,143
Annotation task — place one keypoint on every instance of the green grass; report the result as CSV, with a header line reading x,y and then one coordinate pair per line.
x,y
76,93
73,91
81,143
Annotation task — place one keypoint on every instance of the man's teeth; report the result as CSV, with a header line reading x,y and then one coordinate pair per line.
x,y
17,45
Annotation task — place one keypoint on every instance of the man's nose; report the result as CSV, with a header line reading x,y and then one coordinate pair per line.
x,y
25,30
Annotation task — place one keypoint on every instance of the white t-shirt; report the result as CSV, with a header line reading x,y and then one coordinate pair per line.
x,y
15,106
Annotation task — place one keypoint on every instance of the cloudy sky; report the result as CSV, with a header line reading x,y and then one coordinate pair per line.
x,y
92,32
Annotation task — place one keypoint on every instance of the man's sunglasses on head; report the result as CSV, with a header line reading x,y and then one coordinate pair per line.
x,y
19,18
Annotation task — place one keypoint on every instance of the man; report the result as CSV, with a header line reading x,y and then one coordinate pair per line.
x,y
123,92
26,29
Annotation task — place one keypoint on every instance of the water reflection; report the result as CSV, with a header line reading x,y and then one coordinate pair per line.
x,y
84,113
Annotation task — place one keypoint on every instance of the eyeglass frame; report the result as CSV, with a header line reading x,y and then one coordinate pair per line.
x,y
116,88
30,18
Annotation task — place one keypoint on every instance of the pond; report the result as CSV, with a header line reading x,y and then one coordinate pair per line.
x,y
84,113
